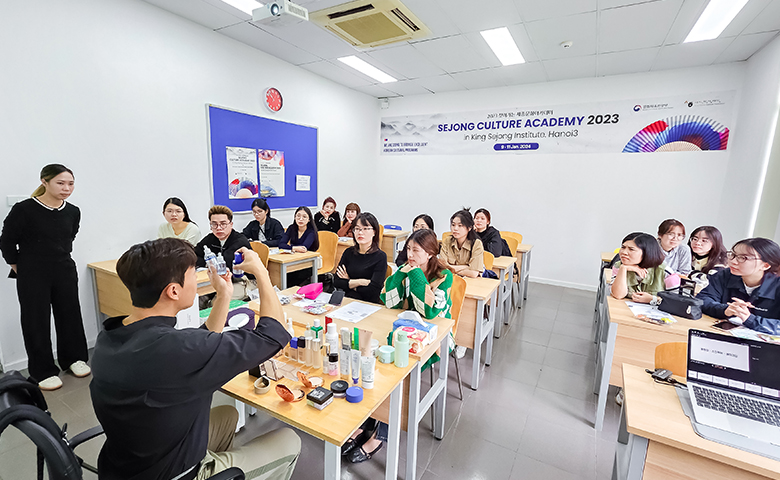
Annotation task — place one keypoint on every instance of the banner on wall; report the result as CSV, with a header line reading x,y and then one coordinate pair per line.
x,y
698,122
271,172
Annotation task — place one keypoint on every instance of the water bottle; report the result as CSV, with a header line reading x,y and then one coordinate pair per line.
x,y
221,265
401,344
211,259
237,258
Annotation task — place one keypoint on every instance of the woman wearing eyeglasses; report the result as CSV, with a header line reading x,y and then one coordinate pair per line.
x,y
361,271
302,235
263,228
748,292
671,234
709,254
178,223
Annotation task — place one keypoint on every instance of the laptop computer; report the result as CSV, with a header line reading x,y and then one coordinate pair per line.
x,y
734,384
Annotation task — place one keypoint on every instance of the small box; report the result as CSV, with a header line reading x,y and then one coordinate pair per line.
x,y
319,398
412,319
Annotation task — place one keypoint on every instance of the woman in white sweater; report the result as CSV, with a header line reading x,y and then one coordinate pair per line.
x,y
178,223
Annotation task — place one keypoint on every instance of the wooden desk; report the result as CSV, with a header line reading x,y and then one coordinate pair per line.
x,y
384,409
390,241
280,264
523,256
661,444
342,245
621,338
112,297
504,268
472,328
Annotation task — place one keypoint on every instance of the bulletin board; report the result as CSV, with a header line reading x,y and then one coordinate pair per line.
x,y
278,154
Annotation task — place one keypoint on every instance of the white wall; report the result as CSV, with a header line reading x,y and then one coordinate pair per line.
x,y
571,207
117,90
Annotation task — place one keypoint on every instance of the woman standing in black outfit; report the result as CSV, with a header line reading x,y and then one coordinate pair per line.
x,y
37,240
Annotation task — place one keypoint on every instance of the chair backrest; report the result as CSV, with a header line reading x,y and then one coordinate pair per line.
x,y
513,243
381,233
487,259
672,356
458,296
393,227
388,272
506,233
445,235
262,251
329,243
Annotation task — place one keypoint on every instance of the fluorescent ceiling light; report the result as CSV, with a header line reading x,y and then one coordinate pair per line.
x,y
367,69
245,6
714,19
502,44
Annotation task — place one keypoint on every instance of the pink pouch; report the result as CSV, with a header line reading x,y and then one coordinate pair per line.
x,y
672,281
310,291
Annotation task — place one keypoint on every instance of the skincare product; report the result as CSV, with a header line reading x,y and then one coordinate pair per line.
x,y
301,349
333,364
221,265
354,394
319,398
317,329
367,371
346,352
292,349
339,388
355,359
401,343
316,353
332,337
237,258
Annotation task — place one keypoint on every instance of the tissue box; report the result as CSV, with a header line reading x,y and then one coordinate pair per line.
x,y
429,331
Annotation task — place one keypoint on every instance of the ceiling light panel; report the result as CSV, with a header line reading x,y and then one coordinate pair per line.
x,y
367,69
714,19
245,6
502,44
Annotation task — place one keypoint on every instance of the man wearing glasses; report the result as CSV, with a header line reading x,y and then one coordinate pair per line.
x,y
222,239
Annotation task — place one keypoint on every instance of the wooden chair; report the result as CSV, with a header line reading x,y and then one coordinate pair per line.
x,y
488,259
457,296
329,243
381,233
389,271
262,250
506,233
672,356
513,243
445,235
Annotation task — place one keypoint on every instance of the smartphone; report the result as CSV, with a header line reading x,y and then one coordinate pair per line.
x,y
725,325
336,297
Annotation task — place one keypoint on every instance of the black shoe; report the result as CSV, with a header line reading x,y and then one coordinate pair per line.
x,y
359,455
362,438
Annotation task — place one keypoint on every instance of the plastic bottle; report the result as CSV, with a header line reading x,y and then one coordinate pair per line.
x,y
332,338
237,258
317,329
209,257
290,330
316,351
301,349
308,356
221,265
401,344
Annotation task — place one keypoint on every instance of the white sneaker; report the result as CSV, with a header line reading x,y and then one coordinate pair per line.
x,y
51,383
460,352
80,369
619,397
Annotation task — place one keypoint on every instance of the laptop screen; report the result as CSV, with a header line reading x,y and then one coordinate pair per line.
x,y
738,364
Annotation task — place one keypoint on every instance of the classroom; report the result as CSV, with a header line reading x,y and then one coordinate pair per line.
x,y
118,91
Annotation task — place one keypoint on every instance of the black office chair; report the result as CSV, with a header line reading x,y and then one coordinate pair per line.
x,y
22,405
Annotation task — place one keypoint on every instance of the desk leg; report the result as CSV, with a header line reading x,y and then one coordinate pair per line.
x,y
314,271
440,403
394,434
332,461
283,280
241,407
477,344
527,276
602,379
98,314
412,422
491,319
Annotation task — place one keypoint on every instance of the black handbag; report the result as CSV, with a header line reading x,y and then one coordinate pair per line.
x,y
680,301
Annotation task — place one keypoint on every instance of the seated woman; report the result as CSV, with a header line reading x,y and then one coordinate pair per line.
x,y
491,238
301,236
677,255
361,271
709,254
422,284
640,273
328,219
462,251
263,228
748,292
350,214
421,221
178,223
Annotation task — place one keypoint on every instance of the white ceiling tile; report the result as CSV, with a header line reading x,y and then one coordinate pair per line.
x,y
637,26
745,17
532,11
605,4
475,16
433,16
566,68
407,87
261,40
201,12
522,74
631,61
452,54
311,38
376,91
547,36
407,61
767,20
744,46
694,54
333,72
440,83
475,79
687,16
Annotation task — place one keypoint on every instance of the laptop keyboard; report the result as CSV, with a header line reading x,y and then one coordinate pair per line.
x,y
737,405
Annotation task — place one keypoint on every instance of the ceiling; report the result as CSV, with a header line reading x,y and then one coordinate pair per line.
x,y
610,37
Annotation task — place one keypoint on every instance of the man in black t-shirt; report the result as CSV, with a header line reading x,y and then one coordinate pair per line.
x,y
152,384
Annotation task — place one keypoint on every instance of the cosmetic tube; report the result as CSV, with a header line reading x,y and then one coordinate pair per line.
x,y
365,342
367,371
346,352
355,366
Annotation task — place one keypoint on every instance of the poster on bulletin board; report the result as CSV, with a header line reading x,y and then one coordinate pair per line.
x,y
257,157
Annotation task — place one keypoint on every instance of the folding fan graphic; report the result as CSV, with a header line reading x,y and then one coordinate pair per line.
x,y
680,133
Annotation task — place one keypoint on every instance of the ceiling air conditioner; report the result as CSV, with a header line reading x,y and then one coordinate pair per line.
x,y
371,23
279,13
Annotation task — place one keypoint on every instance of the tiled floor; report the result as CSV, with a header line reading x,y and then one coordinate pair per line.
x,y
532,417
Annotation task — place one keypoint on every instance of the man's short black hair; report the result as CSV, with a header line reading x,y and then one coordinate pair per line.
x,y
147,268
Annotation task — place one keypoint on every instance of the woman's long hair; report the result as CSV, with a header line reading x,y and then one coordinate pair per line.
x,y
427,240
177,201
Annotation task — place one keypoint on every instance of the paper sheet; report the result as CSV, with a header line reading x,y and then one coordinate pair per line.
x,y
645,312
354,312
321,299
